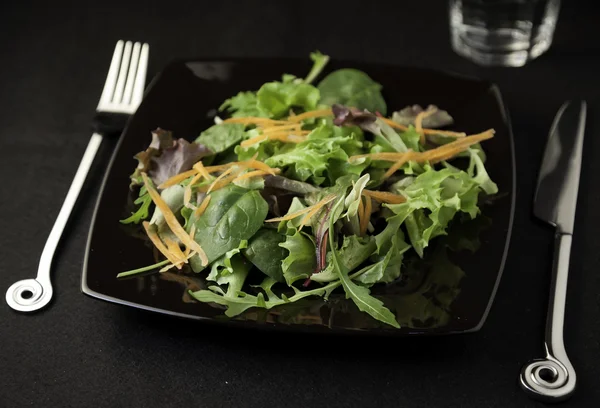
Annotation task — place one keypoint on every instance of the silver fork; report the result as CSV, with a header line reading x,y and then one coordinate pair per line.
x,y
122,94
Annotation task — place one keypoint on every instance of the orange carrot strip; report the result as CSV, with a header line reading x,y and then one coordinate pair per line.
x,y
172,221
384,196
178,178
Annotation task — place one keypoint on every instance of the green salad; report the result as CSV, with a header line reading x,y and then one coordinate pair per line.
x,y
302,189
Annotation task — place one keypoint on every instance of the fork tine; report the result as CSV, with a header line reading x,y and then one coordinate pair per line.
x,y
111,78
122,74
133,67
140,78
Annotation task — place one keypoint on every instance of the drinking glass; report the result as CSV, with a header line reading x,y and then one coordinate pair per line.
x,y
502,32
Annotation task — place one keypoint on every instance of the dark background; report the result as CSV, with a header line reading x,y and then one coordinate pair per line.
x,y
81,352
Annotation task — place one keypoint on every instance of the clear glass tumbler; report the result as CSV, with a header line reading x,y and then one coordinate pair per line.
x,y
502,32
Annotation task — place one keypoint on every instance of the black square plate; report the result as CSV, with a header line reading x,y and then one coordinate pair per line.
x,y
449,291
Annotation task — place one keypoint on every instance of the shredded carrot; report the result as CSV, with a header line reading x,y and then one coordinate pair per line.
x,y
220,167
158,243
250,174
419,123
387,156
367,215
179,264
199,167
178,178
384,197
202,207
361,214
172,221
310,114
254,140
290,216
315,209
221,177
426,131
251,120
174,249
396,166
258,165
450,150
294,126
187,193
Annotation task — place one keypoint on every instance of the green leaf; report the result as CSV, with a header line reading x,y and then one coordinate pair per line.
x,y
242,105
233,214
219,138
266,254
352,201
352,88
319,62
301,260
312,158
482,178
277,98
144,200
354,251
228,264
359,294
173,197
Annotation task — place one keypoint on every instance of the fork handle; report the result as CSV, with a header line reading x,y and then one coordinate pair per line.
x,y
32,294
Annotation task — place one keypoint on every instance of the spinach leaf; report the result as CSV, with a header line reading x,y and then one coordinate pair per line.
x,y
353,88
219,138
266,254
359,294
234,214
277,98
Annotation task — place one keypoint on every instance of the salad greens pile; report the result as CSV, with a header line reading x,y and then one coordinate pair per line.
x,y
306,189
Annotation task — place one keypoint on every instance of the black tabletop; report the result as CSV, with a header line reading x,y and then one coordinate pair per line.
x,y
81,352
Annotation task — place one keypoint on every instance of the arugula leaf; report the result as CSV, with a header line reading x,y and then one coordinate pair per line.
x,y
233,214
482,178
242,105
389,254
266,254
144,200
319,62
277,98
301,260
359,294
353,88
354,251
219,138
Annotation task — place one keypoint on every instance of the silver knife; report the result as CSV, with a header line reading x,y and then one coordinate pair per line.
x,y
553,378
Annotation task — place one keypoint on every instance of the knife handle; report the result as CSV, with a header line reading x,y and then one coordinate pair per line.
x,y
553,378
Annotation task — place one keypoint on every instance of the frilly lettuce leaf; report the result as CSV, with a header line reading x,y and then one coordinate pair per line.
x,y
243,104
311,159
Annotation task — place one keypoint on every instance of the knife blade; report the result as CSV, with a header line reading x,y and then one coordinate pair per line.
x,y
558,182
553,378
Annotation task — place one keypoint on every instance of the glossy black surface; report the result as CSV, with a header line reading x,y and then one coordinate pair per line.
x,y
183,99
